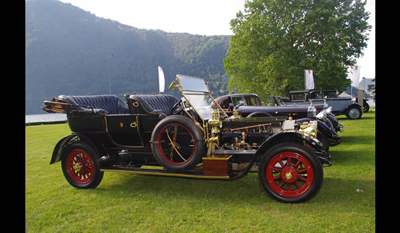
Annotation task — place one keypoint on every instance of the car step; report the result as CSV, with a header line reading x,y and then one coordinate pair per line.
x,y
196,174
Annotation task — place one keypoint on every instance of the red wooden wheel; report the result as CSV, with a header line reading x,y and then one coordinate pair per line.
x,y
80,166
289,174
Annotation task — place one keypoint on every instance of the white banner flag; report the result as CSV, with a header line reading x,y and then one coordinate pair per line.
x,y
309,79
161,80
355,76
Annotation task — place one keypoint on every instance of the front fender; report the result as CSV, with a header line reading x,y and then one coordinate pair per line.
x,y
293,136
350,106
288,136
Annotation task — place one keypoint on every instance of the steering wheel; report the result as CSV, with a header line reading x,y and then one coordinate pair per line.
x,y
177,108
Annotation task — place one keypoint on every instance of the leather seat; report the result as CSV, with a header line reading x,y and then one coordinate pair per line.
x,y
153,104
102,104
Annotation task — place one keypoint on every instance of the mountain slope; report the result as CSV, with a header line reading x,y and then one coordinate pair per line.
x,y
71,51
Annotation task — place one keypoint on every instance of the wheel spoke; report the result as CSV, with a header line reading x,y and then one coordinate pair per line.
x,y
302,178
302,170
276,177
174,146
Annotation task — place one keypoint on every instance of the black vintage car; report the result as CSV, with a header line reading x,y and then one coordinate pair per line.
x,y
158,135
249,105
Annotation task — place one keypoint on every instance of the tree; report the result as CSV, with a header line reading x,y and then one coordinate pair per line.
x,y
274,41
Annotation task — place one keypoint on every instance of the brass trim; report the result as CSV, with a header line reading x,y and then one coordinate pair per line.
x,y
217,158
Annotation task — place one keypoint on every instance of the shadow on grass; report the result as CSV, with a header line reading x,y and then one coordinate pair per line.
x,y
133,185
245,190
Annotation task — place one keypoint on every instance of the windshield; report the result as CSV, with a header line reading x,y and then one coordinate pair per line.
x,y
279,101
196,92
189,83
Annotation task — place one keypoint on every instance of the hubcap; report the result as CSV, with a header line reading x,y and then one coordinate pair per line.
x,y
288,176
354,113
77,167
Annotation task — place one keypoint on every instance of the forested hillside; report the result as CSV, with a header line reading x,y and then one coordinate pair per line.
x,y
72,51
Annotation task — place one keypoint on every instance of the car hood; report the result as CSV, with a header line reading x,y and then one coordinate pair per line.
x,y
288,109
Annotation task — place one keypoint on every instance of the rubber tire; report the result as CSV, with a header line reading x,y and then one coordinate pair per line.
x,y
365,107
348,113
305,152
98,175
197,135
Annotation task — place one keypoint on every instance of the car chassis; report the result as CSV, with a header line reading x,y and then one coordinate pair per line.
x,y
192,138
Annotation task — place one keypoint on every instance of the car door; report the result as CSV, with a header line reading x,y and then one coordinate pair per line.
x,y
124,129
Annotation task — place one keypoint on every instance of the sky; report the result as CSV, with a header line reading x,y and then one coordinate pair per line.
x,y
205,17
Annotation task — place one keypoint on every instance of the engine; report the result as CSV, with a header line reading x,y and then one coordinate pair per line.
x,y
245,138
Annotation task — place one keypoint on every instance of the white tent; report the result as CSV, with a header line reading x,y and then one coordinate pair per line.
x,y
344,94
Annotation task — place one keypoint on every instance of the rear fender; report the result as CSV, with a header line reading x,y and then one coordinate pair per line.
x,y
58,149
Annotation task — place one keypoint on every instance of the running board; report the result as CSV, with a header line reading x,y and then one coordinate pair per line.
x,y
196,174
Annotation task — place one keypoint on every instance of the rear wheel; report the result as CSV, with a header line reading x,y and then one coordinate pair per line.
x,y
81,167
290,173
365,107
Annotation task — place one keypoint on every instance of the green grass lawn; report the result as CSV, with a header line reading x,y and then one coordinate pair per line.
x,y
126,202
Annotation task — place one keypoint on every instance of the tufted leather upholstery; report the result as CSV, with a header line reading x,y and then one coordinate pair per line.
x,y
102,104
156,103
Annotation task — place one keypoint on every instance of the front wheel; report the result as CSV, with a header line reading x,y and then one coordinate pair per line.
x,y
81,167
354,113
290,173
